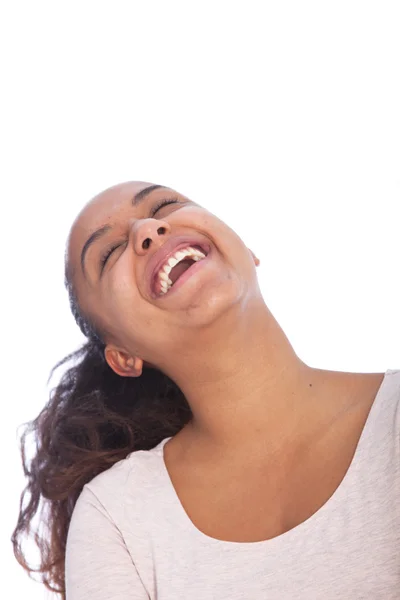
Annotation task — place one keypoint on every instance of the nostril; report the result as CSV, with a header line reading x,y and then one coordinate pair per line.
x,y
146,243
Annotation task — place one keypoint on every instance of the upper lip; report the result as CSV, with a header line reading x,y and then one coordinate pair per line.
x,y
168,249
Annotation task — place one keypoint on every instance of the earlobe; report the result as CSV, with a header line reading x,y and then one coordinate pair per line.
x,y
122,363
136,366
255,259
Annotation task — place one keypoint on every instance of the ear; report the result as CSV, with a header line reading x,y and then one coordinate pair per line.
x,y
256,260
123,363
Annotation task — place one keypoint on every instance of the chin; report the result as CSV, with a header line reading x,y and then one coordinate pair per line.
x,y
213,304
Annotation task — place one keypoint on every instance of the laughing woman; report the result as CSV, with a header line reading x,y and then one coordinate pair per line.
x,y
188,452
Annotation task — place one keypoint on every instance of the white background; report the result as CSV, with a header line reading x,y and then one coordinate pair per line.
x,y
281,117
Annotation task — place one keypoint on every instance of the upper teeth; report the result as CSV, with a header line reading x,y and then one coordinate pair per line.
x,y
163,274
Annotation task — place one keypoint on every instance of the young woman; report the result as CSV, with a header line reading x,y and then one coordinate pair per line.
x,y
188,452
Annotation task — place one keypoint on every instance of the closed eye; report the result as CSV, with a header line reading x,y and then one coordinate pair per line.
x,y
162,203
106,255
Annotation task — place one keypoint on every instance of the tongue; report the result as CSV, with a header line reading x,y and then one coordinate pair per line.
x,y
180,268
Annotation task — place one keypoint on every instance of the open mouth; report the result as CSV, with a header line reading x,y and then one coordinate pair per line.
x,y
175,266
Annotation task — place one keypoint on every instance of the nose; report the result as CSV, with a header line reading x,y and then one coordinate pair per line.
x,y
147,233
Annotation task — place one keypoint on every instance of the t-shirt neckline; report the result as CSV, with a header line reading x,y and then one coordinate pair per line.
x,y
299,530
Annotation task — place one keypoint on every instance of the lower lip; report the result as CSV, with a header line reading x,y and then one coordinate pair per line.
x,y
193,270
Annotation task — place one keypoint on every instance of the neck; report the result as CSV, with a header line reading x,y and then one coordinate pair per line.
x,y
243,380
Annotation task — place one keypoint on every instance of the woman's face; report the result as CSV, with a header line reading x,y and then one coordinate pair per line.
x,y
119,254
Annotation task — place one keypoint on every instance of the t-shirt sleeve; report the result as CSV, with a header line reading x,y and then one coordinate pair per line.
x,y
97,563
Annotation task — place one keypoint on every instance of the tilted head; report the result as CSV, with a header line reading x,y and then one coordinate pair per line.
x,y
150,268
115,264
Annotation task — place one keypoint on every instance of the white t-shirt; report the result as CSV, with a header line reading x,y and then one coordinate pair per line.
x,y
131,539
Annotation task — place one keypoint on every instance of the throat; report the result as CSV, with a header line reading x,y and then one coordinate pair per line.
x,y
180,268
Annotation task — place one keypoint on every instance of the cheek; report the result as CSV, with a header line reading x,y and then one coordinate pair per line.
x,y
121,287
230,245
194,217
126,309
210,225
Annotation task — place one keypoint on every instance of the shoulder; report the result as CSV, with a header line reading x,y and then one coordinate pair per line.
x,y
107,540
374,393
129,482
392,378
388,396
383,423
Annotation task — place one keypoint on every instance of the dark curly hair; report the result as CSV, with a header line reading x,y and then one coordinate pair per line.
x,y
93,419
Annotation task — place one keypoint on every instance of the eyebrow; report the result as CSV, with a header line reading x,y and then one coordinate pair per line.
x,y
103,230
145,192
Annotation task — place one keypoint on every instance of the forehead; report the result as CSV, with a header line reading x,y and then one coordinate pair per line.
x,y
106,204
99,212
101,209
